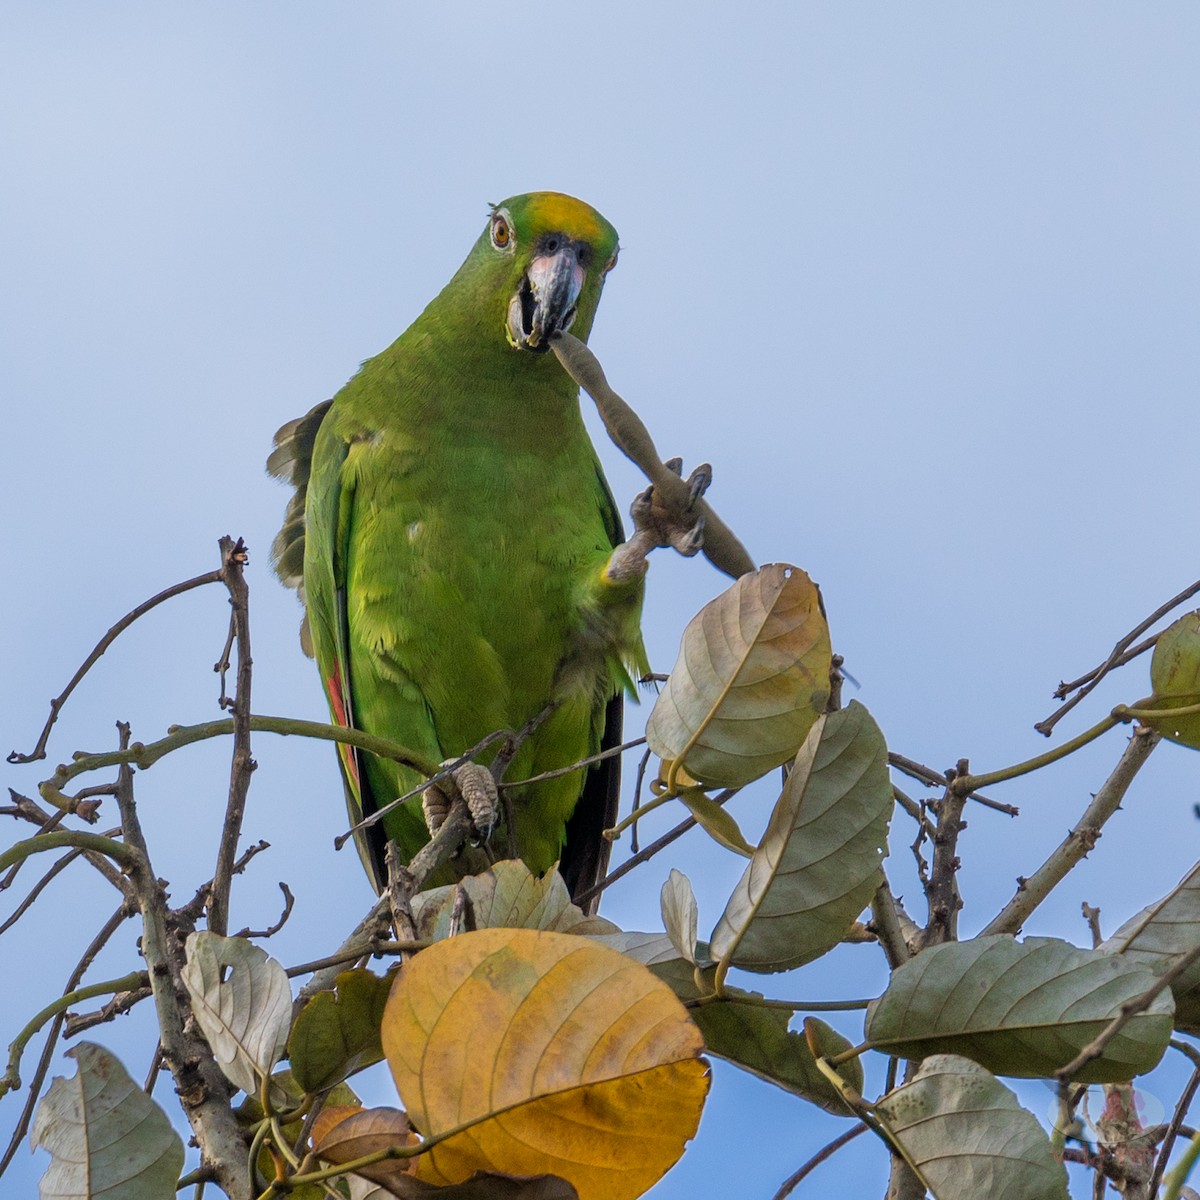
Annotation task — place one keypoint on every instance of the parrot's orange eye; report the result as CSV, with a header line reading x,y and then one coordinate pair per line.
x,y
612,262
501,233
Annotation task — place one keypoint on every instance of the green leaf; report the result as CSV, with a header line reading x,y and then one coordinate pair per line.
x,y
966,1136
1175,677
678,903
818,864
337,1033
751,678
506,896
246,1016
1020,1008
757,1039
717,821
105,1136
1158,935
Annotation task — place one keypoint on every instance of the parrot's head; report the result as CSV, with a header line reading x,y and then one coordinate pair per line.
x,y
545,257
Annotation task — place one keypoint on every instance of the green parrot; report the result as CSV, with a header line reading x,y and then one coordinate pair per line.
x,y
459,553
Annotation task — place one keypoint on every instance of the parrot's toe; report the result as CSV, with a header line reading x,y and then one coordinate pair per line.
x,y
435,804
657,522
478,789
698,482
475,785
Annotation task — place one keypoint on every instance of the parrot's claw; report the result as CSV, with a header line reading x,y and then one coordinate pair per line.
x,y
698,483
476,787
656,523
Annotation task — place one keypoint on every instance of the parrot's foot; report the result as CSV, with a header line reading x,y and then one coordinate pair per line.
x,y
657,523
476,787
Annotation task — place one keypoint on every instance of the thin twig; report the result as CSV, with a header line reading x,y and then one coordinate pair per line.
x,y
1181,1110
233,575
639,780
39,751
103,935
145,754
192,910
1127,1011
353,954
1086,683
1075,846
937,779
611,752
58,1007
968,783
646,853
1092,916
789,1185
27,810
288,901
118,1006
359,942
34,892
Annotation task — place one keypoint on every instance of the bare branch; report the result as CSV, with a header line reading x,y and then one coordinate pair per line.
x,y
118,1006
1075,846
203,1090
1118,656
887,926
39,750
942,889
790,1184
937,779
233,562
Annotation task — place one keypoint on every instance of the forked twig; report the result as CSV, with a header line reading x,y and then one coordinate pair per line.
x,y
1119,655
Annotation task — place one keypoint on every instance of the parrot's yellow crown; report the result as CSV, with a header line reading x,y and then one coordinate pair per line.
x,y
554,210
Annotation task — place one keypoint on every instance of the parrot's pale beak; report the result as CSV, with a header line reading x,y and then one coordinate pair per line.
x,y
545,302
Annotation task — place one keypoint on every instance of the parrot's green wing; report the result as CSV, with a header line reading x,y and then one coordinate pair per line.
x,y
291,461
325,522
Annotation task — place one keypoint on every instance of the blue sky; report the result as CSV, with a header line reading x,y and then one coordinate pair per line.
x,y
919,281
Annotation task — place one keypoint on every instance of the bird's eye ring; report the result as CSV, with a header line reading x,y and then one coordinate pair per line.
x,y
612,262
502,237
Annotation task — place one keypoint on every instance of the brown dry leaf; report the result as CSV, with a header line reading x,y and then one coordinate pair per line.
x,y
561,1056
342,1133
751,679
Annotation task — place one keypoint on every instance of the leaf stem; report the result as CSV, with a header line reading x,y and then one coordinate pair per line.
x,y
970,783
126,983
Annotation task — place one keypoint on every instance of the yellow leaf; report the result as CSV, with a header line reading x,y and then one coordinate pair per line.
x,y
560,1056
